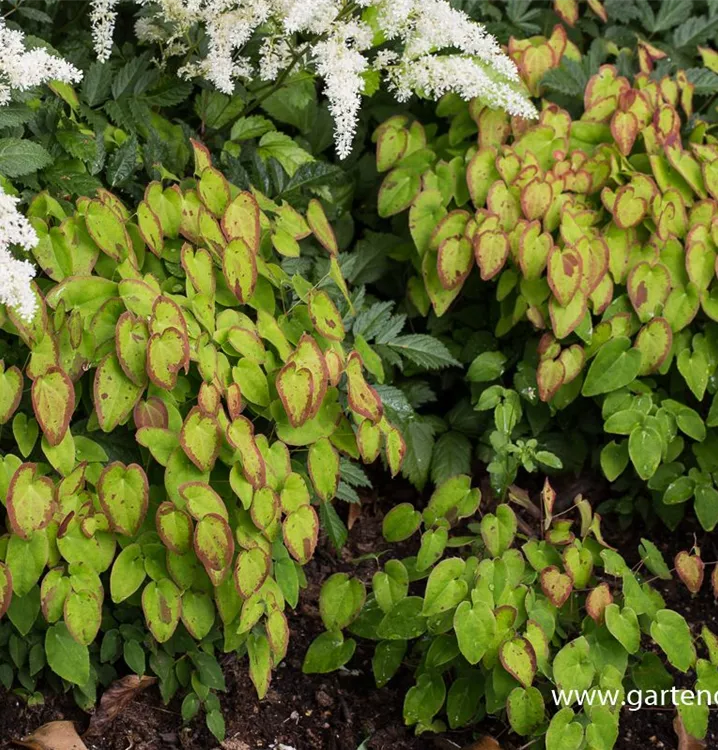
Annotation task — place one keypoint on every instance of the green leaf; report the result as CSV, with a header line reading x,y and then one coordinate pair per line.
x,y
444,588
387,659
425,351
670,14
328,652
564,733
486,367
20,157
128,573
294,103
671,632
401,522
463,700
424,700
334,526
323,465
14,114
623,626
645,448
525,710
616,365
285,150
65,656
475,628
340,601
573,668
397,192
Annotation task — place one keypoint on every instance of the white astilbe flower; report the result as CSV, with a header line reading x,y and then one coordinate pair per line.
x,y
15,275
274,56
23,69
340,62
313,17
435,76
431,49
102,17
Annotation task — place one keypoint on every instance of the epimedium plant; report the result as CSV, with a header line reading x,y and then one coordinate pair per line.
x,y
599,233
174,414
499,611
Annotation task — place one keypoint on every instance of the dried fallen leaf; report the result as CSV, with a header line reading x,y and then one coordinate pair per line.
x,y
57,735
685,740
485,743
114,700
354,514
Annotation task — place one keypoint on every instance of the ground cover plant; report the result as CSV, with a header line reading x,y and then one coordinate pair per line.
x,y
247,247
542,211
502,629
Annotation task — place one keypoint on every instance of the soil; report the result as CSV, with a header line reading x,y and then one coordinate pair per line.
x,y
342,710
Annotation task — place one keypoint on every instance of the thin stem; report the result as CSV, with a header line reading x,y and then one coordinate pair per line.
x,y
280,80
303,48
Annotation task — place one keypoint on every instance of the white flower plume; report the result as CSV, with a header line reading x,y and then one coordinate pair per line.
x,y
16,275
428,48
23,69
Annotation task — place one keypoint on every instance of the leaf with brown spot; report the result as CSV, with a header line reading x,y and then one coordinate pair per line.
x,y
167,354
320,226
690,569
151,413
10,391
597,601
53,401
200,439
295,387
30,501
363,399
241,221
557,586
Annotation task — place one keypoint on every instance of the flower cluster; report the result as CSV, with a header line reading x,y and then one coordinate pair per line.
x,y
15,275
426,47
22,68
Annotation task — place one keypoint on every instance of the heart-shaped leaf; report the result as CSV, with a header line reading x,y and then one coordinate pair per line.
x,y
53,401
251,571
565,268
325,316
241,222
691,569
175,528
162,605
623,626
123,492
301,530
11,381
213,542
323,465
491,249
615,366
200,439
557,586
648,289
455,260
518,658
167,354
654,342
30,501
131,340
295,387
240,269
550,376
